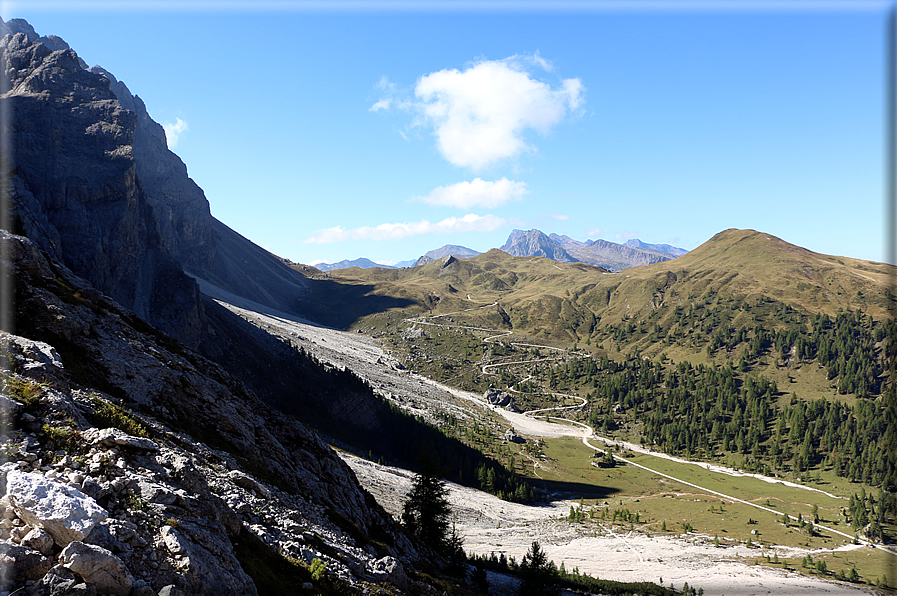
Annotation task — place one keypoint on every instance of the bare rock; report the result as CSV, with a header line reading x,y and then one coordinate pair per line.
x,y
58,581
209,568
390,570
98,567
19,564
114,535
249,483
497,397
60,509
109,437
39,540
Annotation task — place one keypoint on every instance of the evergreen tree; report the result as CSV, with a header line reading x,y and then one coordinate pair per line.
x,y
538,573
426,512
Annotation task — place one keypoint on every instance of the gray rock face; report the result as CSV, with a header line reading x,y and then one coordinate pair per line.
x,y
114,437
389,570
535,244
40,540
616,257
99,567
68,126
599,253
64,512
58,580
179,205
134,222
19,564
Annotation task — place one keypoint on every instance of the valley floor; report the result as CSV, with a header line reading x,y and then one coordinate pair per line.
x,y
489,524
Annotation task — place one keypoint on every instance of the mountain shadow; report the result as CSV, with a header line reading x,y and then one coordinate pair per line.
x,y
339,305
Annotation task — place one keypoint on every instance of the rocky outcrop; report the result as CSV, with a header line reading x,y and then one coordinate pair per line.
x,y
497,397
599,253
179,205
155,462
535,244
95,186
616,257
62,511
73,182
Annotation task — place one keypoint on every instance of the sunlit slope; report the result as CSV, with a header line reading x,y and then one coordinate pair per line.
x,y
568,301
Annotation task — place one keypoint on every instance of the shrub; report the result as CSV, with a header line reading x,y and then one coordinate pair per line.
x,y
109,415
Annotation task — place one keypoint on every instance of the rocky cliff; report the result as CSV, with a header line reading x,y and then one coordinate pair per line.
x,y
94,184
73,183
535,244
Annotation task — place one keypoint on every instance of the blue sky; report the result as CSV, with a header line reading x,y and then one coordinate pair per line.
x,y
386,130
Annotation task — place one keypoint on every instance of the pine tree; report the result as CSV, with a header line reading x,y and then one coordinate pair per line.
x,y
426,512
538,573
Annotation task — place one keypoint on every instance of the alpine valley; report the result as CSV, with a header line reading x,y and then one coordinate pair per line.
x,y
184,412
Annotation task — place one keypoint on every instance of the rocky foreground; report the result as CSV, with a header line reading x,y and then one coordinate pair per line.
x,y
170,478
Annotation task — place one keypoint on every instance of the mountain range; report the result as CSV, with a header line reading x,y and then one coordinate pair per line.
x,y
535,243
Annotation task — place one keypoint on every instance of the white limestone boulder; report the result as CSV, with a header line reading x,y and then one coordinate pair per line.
x,y
62,510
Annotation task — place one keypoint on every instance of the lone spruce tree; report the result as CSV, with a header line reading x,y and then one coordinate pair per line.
x,y
538,574
427,511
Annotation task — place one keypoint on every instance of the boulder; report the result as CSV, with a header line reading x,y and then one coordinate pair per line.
x,y
497,397
39,540
63,511
115,535
206,562
58,581
110,437
19,564
98,567
249,483
389,570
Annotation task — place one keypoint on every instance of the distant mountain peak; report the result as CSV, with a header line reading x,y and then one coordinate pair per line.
x,y
664,248
460,252
534,243
601,253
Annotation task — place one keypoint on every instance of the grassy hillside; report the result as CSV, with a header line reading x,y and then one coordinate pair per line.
x,y
569,302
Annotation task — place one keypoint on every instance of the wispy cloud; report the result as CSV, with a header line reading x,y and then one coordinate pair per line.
x,y
626,236
476,193
598,231
479,115
558,216
396,231
173,131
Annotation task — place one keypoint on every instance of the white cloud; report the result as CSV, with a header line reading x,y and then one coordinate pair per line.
x,y
174,131
476,193
627,236
597,232
396,231
558,216
479,115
